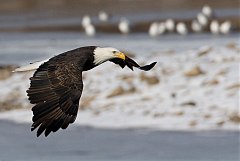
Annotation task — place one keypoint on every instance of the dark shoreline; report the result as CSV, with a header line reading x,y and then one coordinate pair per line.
x,y
65,16
139,27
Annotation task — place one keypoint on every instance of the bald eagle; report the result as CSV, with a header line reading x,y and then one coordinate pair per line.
x,y
56,86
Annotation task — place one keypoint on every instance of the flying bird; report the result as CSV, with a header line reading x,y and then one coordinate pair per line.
x,y
56,86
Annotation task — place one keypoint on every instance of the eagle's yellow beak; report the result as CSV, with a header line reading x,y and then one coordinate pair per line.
x,y
120,55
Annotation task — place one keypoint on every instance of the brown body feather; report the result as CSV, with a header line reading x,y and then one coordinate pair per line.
x,y
56,88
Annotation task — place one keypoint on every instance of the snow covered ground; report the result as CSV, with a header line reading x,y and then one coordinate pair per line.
x,y
194,88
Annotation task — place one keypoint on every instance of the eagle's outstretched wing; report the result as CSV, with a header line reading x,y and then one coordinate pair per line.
x,y
55,88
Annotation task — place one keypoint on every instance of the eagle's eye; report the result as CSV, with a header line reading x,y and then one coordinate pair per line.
x,y
114,52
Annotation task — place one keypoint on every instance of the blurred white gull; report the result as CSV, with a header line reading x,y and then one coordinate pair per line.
x,y
202,19
196,27
90,30
225,27
214,27
103,16
124,26
170,25
161,28
153,29
86,20
181,28
207,11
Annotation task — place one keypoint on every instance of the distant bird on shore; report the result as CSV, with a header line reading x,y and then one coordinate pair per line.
x,y
214,27
202,19
181,28
196,27
124,26
225,27
153,29
90,30
103,16
86,20
88,26
56,86
170,25
207,11
161,28
156,29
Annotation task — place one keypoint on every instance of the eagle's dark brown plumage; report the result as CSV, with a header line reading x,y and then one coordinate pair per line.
x,y
57,85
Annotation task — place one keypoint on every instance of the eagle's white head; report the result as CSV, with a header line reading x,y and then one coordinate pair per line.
x,y
104,54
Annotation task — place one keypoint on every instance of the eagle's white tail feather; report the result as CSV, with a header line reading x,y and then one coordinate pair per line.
x,y
31,66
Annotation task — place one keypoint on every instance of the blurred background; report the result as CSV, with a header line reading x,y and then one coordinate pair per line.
x,y
62,15
185,108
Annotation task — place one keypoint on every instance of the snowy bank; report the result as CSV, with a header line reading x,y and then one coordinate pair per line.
x,y
194,89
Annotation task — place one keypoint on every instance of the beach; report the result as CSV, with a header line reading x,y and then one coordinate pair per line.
x,y
192,87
